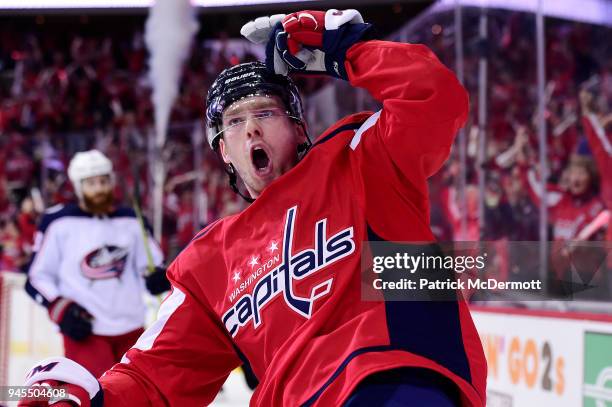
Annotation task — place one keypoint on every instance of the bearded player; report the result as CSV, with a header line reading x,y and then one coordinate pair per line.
x,y
89,265
278,285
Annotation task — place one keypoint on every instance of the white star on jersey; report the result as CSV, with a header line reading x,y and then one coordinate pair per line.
x,y
236,277
273,247
254,261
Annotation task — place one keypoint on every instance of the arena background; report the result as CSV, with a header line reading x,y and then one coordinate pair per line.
x,y
78,78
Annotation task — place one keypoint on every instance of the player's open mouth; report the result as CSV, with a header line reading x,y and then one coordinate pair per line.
x,y
261,160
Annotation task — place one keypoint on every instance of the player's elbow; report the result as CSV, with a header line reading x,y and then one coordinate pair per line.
x,y
463,104
442,99
447,99
438,153
453,99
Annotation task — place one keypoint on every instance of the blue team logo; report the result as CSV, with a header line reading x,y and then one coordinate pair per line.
x,y
41,369
293,266
105,262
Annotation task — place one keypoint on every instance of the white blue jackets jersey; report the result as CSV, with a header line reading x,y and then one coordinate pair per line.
x,y
96,261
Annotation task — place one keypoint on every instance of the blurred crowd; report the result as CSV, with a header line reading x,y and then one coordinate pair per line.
x,y
62,95
501,199
577,61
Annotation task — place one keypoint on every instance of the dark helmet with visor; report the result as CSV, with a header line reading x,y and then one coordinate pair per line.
x,y
242,81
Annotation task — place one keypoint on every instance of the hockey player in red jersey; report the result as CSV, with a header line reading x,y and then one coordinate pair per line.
x,y
278,285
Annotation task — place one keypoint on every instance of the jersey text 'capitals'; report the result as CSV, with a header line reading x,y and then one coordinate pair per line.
x,y
294,266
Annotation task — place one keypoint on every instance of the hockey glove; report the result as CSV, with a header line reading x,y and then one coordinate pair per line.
x,y
308,41
69,383
157,282
74,321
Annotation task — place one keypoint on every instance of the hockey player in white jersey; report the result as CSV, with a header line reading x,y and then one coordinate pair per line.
x,y
88,268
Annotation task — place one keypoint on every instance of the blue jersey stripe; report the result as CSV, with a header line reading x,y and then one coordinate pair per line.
x,y
427,328
350,126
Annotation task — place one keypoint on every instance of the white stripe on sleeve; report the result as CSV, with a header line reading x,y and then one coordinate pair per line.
x,y
552,197
145,342
600,132
366,125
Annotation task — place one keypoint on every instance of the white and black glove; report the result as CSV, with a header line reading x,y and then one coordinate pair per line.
x,y
78,386
74,321
308,41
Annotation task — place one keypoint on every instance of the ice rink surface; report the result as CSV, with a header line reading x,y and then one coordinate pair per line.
x,y
235,392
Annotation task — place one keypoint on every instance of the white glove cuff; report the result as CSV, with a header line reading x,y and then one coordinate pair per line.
x,y
63,370
335,18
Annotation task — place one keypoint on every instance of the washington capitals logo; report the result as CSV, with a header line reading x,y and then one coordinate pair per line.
x,y
105,262
293,266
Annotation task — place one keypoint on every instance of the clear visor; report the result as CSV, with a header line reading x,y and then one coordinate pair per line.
x,y
267,109
220,104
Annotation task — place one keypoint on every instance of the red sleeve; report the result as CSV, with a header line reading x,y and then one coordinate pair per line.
x,y
423,106
598,141
553,194
181,360
528,182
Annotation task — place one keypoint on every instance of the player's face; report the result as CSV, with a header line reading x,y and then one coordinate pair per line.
x,y
260,140
579,179
97,193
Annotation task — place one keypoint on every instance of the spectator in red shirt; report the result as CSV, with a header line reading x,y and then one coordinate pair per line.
x,y
185,226
26,221
600,143
572,210
13,254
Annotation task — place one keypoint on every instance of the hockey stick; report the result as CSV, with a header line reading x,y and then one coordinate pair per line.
x,y
138,212
143,228
143,231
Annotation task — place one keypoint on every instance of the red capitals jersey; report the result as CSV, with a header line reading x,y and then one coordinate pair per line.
x,y
279,284
569,215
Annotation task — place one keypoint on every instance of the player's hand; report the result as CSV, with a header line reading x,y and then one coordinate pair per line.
x,y
308,41
74,321
70,395
157,282
70,384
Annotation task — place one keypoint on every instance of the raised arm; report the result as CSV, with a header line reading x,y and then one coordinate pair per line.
x,y
423,104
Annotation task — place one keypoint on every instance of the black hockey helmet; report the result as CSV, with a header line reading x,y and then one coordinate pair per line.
x,y
244,80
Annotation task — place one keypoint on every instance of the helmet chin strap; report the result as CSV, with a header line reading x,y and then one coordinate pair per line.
x,y
233,179
304,148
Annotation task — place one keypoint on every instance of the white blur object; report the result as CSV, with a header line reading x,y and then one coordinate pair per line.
x,y
168,34
87,164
